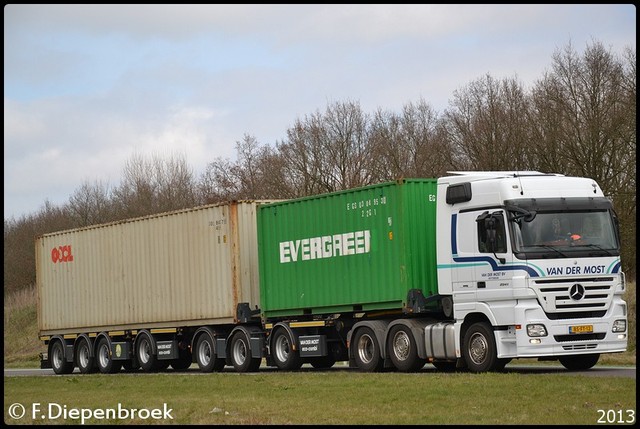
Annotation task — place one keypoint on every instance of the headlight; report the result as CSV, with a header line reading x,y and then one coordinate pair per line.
x,y
536,331
619,326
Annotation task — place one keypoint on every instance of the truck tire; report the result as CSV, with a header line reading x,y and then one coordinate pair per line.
x,y
241,354
206,356
282,351
144,353
104,360
403,350
579,362
58,360
367,351
479,350
86,363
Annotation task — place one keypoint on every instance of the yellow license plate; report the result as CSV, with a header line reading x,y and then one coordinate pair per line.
x,y
580,329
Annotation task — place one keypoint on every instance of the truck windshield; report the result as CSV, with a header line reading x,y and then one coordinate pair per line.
x,y
563,233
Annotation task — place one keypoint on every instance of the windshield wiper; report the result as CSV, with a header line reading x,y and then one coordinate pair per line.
x,y
598,247
550,248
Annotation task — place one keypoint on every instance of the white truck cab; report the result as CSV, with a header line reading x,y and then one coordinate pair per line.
x,y
531,262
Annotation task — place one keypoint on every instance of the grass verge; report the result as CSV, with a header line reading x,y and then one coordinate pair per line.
x,y
322,398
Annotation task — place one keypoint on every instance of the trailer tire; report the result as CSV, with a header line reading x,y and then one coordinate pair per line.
x,y
241,354
367,350
58,360
284,356
86,363
206,356
403,350
480,352
579,362
144,353
104,360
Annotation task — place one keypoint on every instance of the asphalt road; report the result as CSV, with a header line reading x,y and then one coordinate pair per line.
x,y
597,371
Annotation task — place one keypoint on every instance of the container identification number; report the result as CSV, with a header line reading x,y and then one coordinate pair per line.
x,y
367,207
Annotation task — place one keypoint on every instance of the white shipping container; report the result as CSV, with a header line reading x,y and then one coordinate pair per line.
x,y
184,268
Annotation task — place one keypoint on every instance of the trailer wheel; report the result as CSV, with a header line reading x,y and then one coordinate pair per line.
x,y
144,352
206,354
403,349
579,362
58,360
86,363
480,353
241,354
283,354
367,353
106,364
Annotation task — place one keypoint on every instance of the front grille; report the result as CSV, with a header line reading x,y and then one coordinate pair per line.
x,y
593,297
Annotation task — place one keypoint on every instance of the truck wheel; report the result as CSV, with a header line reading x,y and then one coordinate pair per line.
x,y
58,360
106,364
241,354
144,352
86,363
283,354
479,351
206,354
579,362
367,350
403,350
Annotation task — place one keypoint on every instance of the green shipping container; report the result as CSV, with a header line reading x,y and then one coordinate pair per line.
x,y
356,250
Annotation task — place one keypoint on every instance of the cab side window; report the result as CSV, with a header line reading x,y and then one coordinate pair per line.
x,y
501,237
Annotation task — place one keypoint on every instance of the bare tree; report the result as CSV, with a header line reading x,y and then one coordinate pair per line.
x,y
328,152
154,186
90,204
257,173
409,145
486,125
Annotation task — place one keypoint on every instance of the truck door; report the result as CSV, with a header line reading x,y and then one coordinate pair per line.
x,y
482,253
492,251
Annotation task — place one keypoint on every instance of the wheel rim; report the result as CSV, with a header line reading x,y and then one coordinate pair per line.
x,y
83,356
239,352
401,345
144,353
365,348
282,348
204,353
478,347
57,357
103,355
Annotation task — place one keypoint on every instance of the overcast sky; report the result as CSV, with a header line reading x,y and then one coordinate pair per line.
x,y
86,87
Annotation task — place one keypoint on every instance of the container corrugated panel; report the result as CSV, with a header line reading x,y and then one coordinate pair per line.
x,y
354,250
180,268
